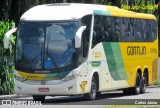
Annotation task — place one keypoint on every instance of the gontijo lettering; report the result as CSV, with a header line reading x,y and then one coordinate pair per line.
x,y
136,50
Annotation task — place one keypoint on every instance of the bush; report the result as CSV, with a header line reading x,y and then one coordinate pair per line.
x,y
6,68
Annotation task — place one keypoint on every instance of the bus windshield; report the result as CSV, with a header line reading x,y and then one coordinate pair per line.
x,y
45,45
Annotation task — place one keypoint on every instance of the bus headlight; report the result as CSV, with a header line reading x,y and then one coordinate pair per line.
x,y
68,78
19,78
71,77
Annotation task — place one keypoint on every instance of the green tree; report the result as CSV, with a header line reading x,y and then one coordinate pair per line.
x,y
6,67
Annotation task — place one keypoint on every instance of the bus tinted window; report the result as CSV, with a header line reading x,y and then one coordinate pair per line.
x,y
117,33
144,30
138,30
97,30
148,32
127,37
108,29
153,30
86,21
121,29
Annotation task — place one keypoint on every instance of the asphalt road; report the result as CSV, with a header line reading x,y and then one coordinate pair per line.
x,y
108,98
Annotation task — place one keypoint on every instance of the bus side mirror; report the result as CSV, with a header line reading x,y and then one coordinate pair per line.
x,y
78,37
7,37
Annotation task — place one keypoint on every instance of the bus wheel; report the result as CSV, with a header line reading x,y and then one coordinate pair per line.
x,y
38,98
136,89
92,94
144,85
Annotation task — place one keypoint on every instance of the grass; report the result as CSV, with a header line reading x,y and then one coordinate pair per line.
x,y
129,106
158,82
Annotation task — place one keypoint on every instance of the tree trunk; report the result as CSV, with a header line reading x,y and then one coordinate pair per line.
x,y
131,2
5,9
117,3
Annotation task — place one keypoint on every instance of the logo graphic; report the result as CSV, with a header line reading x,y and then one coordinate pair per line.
x,y
96,63
43,82
83,86
97,54
20,102
6,102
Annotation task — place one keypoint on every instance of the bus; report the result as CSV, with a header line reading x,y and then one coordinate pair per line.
x,y
84,49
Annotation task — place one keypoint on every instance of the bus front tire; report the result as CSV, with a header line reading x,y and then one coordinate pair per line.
x,y
38,98
93,92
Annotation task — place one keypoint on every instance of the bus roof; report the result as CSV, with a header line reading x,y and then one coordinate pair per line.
x,y
73,11
115,11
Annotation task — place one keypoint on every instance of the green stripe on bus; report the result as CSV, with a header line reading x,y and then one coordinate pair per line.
x,y
115,61
57,75
98,12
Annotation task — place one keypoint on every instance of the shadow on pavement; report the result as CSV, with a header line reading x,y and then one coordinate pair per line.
x,y
80,100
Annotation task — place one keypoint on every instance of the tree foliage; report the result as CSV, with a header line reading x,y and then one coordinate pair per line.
x,y
6,67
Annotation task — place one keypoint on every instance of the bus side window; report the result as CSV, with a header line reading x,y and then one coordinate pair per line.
x,y
141,30
148,31
106,33
117,23
105,36
97,30
130,30
144,30
138,30
125,35
86,21
153,29
108,29
138,37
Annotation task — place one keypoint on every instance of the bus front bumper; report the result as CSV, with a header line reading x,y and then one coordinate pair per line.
x,y
72,87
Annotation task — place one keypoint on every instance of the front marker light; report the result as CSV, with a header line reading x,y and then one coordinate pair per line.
x,y
68,78
71,77
19,78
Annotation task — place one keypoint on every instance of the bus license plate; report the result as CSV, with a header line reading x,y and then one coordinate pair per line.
x,y
43,89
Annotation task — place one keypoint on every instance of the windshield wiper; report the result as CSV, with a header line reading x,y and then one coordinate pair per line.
x,y
35,59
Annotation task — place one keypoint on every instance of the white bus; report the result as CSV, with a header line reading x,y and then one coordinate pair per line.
x,y
72,49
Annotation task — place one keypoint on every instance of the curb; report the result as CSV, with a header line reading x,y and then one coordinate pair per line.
x,y
153,86
12,96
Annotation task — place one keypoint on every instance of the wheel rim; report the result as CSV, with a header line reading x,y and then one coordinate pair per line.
x,y
138,83
93,88
144,83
